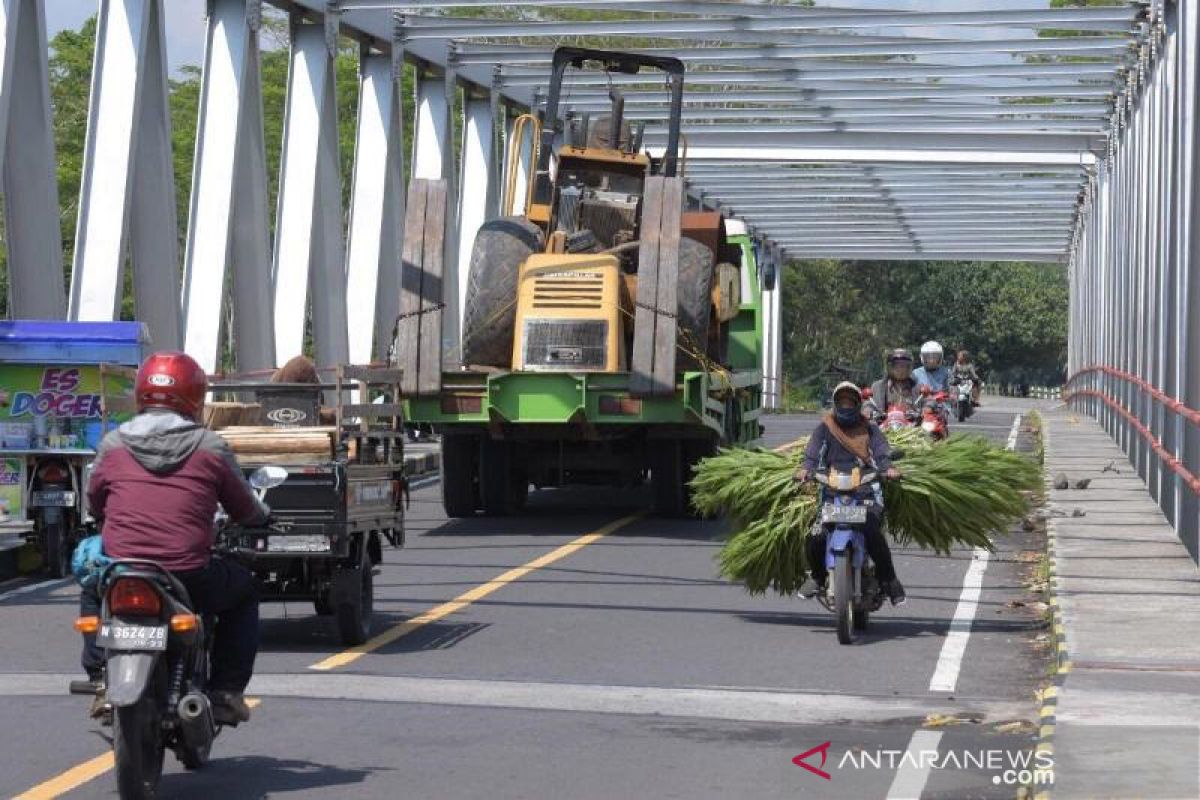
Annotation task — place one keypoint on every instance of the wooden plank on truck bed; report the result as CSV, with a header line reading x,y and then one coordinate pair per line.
x,y
641,382
419,328
408,326
372,375
433,291
667,305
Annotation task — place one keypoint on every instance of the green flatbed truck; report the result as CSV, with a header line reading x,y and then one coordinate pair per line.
x,y
504,431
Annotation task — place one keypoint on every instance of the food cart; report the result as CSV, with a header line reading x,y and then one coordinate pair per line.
x,y
63,385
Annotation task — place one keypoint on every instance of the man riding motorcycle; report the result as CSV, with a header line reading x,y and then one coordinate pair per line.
x,y
964,370
932,372
155,487
897,387
845,440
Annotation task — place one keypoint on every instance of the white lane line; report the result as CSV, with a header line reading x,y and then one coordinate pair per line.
x,y
945,675
33,587
949,663
1014,432
915,766
728,703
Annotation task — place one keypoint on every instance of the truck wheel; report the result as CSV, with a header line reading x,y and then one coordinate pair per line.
x,y
490,307
355,607
460,475
695,302
667,478
504,484
694,451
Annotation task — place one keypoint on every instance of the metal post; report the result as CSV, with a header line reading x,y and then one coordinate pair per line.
x,y
228,226
1189,258
308,230
128,172
31,212
478,160
376,210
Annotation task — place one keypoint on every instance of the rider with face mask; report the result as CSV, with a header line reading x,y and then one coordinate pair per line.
x,y
845,440
932,372
898,386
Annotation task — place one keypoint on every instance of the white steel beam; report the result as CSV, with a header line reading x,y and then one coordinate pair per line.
x,y
31,212
228,226
376,210
308,230
477,184
881,153
128,172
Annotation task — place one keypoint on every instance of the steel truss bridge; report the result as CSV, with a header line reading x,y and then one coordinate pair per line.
x,y
983,130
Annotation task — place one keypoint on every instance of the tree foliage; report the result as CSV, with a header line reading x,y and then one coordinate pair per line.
x,y
1012,317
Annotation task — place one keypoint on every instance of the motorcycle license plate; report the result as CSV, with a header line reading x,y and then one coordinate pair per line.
x,y
843,515
117,635
60,498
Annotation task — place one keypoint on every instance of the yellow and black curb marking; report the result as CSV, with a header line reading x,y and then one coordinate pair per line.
x,y
1048,697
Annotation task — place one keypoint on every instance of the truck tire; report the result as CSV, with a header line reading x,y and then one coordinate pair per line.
x,y
667,477
356,602
459,468
694,451
695,302
490,308
504,484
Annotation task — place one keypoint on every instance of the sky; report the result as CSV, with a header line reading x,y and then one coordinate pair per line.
x,y
184,24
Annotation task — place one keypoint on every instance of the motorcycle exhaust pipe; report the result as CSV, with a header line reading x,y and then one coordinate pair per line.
x,y
196,721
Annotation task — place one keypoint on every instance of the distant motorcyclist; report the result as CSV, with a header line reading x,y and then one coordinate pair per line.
x,y
845,439
932,372
897,387
155,487
964,370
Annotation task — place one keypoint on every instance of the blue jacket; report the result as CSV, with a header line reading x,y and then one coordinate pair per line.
x,y
938,380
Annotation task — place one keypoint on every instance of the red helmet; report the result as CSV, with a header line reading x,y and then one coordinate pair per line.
x,y
173,381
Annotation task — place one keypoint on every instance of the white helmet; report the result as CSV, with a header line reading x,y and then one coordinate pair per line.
x,y
931,354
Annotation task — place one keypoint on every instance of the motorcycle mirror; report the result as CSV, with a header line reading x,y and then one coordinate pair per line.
x,y
268,477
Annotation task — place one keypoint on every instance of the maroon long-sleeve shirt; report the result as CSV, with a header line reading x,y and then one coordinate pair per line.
x,y
156,484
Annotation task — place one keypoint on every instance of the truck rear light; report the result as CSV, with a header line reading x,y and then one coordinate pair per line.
x,y
134,596
462,404
623,406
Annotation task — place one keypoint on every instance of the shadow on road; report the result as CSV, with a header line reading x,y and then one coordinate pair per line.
x,y
259,776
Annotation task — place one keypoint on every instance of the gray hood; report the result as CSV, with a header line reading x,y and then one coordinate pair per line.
x,y
161,440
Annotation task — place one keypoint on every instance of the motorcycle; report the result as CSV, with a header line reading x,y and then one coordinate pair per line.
x,y
935,419
964,405
896,417
853,591
157,652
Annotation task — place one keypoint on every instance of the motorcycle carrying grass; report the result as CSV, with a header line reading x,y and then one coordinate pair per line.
x,y
962,492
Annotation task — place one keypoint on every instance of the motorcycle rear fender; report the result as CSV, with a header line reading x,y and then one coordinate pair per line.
x,y
127,676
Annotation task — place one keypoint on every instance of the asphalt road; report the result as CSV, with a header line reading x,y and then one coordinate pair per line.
x,y
615,666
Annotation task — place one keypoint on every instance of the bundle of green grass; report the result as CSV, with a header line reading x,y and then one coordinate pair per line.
x,y
961,492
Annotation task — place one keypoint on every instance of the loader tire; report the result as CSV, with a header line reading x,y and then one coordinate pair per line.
x,y
490,308
695,302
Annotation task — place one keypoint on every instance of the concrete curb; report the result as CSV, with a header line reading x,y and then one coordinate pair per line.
x,y
419,465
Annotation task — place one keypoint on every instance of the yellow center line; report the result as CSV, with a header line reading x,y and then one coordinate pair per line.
x,y
80,774
466,598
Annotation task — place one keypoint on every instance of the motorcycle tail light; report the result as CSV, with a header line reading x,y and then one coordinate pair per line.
x,y
87,624
53,472
134,596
